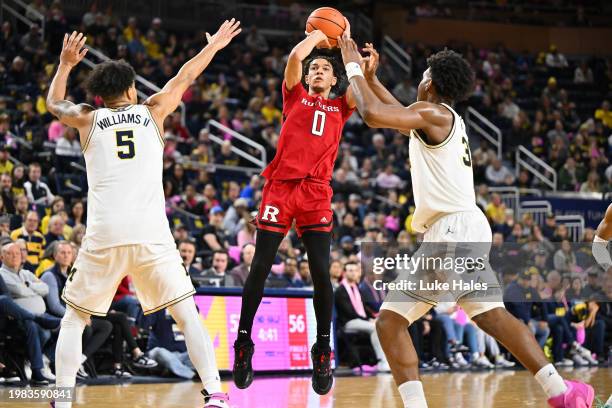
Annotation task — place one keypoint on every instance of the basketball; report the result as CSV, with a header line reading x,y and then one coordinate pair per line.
x,y
329,20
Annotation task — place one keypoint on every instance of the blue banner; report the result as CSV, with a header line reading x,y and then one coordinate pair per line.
x,y
592,210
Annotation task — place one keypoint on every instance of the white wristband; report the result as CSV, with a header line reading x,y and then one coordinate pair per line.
x,y
353,69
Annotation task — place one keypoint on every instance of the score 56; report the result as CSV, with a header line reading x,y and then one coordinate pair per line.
x,y
296,323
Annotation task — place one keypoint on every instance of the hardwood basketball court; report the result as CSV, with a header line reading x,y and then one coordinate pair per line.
x,y
493,389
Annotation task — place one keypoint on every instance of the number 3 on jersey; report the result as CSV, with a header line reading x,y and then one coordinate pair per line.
x,y
318,123
125,144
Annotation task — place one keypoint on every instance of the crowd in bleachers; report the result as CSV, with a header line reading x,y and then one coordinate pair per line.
x,y
565,121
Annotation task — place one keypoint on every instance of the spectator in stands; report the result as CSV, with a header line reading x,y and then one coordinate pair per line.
x,y
583,74
571,175
604,114
226,157
241,271
405,91
335,273
351,314
498,174
37,191
591,185
496,210
5,226
56,230
289,278
304,272
213,235
372,297
234,214
77,214
554,59
28,292
387,180
6,166
256,42
593,288
6,184
18,180
35,241
508,109
522,300
187,249
551,93
217,274
249,191
32,44
565,259
67,150
77,235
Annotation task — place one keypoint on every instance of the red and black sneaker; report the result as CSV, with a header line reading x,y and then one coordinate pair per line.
x,y
322,378
243,369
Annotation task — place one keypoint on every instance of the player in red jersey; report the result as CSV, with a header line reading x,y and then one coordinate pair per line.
x,y
298,188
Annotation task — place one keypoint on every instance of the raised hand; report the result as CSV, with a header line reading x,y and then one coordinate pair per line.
x,y
350,52
323,40
370,63
72,49
223,36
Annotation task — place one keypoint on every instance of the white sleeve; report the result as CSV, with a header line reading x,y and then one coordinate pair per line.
x,y
601,253
28,189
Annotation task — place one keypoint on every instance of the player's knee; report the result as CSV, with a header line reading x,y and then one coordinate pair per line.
x,y
489,319
388,323
184,312
75,319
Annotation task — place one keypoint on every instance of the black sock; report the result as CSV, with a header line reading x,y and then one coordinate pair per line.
x,y
323,341
317,247
265,251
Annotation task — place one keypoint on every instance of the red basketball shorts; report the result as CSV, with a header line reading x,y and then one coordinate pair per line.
x,y
306,202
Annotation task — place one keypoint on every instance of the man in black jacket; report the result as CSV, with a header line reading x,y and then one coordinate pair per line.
x,y
524,303
351,313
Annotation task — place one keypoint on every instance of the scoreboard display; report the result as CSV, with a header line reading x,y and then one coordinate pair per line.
x,y
283,331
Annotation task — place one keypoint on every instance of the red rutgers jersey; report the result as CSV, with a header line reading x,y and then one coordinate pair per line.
x,y
309,137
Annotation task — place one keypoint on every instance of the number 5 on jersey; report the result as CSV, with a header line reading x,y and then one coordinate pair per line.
x,y
318,123
125,144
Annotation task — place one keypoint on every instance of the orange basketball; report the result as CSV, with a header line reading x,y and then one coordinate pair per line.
x,y
329,20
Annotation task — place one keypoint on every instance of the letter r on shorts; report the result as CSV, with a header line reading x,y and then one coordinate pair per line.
x,y
270,213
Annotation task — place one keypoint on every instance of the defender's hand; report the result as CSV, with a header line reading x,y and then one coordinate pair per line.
x,y
350,52
72,49
223,36
370,63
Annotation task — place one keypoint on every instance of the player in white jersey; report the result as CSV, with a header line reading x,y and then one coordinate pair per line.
x,y
127,228
601,245
446,212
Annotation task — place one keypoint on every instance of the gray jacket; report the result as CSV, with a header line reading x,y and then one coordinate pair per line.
x,y
26,289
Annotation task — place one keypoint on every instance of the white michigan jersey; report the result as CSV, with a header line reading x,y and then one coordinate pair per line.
x,y
124,157
442,177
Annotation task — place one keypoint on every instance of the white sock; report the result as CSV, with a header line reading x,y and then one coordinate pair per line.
x,y
68,351
412,394
551,381
200,348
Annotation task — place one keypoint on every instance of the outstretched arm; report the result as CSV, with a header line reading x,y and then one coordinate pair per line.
x,y
167,100
68,113
376,113
293,70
